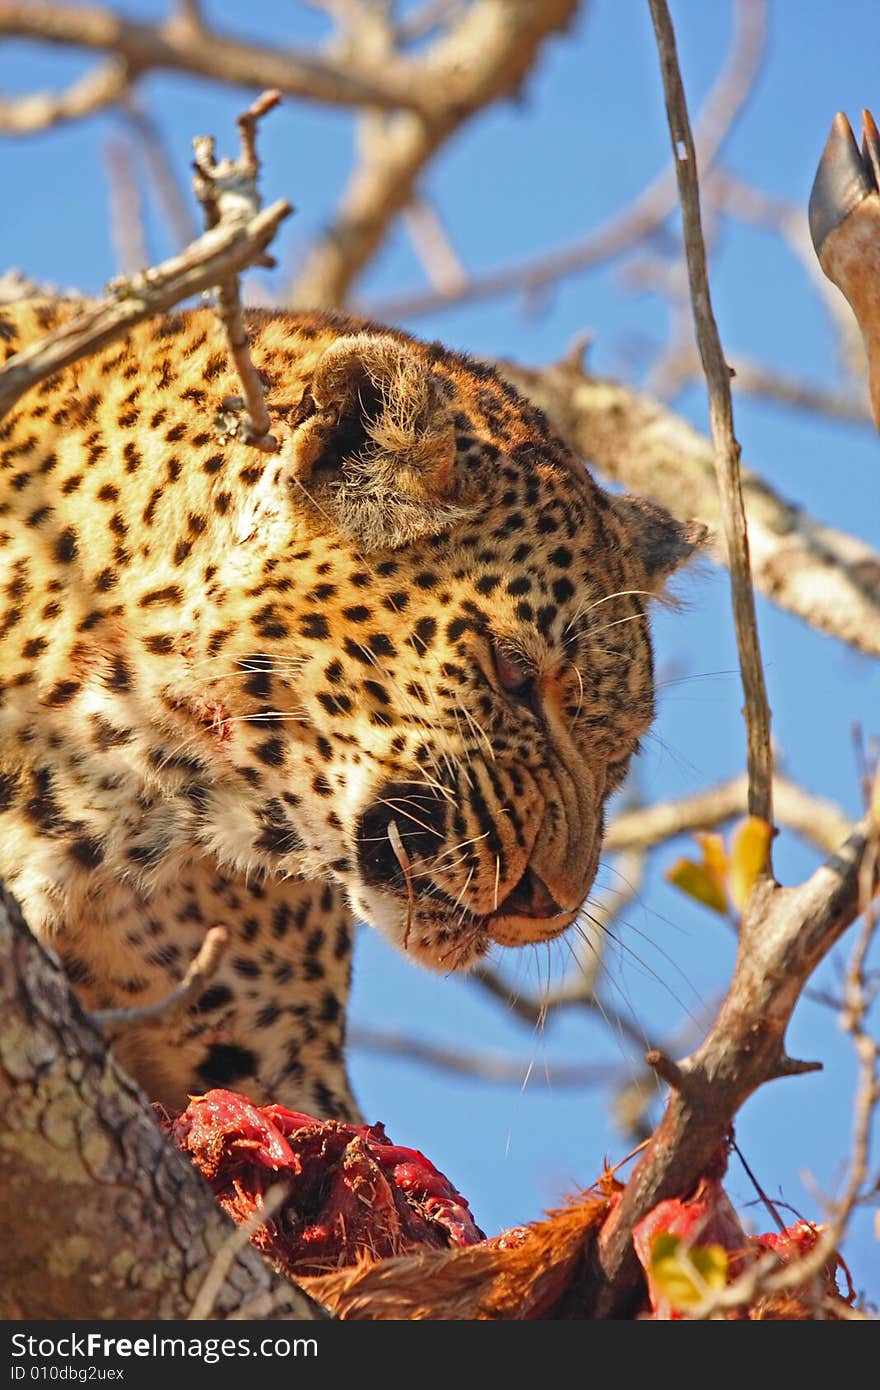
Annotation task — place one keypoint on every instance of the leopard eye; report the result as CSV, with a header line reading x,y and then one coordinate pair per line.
x,y
514,676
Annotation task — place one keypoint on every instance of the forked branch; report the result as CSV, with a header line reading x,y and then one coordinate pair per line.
x,y
784,932
238,236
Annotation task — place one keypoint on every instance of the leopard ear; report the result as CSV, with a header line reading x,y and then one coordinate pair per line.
x,y
374,444
654,542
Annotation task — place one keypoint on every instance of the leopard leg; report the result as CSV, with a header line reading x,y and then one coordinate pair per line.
x,y
270,1021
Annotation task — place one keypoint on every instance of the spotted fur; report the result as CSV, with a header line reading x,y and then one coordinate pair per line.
x,y
392,670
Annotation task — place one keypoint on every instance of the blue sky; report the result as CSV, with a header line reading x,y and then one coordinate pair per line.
x,y
587,135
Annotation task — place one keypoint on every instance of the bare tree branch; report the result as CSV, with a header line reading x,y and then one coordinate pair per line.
x,y
431,242
218,253
727,449
767,1277
228,193
483,1065
126,212
757,380
784,934
819,821
485,56
169,193
38,111
626,229
179,45
753,379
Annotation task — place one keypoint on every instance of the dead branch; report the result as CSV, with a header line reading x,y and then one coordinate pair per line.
x,y
784,934
432,245
100,88
237,237
127,229
767,1277
228,193
225,249
771,385
180,45
727,449
200,970
626,229
498,1067
828,578
816,819
753,379
169,193
484,56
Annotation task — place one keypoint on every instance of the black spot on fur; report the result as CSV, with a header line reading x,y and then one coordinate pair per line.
x,y
226,1063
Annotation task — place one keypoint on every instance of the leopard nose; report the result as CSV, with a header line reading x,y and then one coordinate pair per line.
x,y
420,818
530,897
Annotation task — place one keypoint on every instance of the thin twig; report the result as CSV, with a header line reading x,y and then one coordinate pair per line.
x,y
169,192
203,1303
228,192
126,212
682,365
498,1067
431,243
200,970
237,236
634,223
727,450
39,111
817,820
139,297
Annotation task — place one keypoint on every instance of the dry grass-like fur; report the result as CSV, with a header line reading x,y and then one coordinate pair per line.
x,y
526,1278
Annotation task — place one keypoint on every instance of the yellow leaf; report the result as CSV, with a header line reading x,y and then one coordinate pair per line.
x,y
749,857
698,882
714,854
711,1263
683,1275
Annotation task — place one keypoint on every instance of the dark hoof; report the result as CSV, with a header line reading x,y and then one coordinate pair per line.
x,y
845,176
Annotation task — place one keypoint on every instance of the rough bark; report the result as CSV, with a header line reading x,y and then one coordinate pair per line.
x,y
101,1217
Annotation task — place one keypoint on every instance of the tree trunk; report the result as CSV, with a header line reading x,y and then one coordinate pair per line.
x,y
101,1217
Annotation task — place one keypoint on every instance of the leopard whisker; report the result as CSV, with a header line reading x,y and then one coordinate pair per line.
x,y
406,869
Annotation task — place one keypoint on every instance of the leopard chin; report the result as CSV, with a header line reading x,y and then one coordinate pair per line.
x,y
396,667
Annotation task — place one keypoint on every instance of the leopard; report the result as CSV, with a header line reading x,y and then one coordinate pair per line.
x,y
388,668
